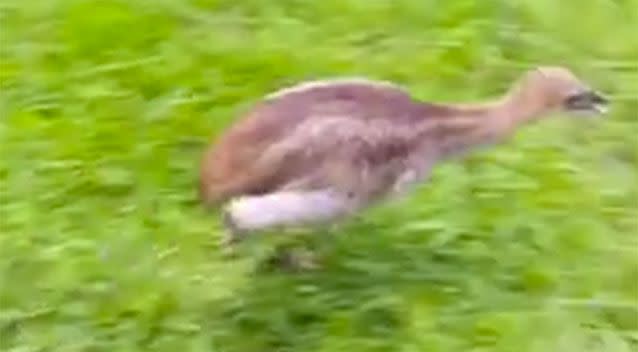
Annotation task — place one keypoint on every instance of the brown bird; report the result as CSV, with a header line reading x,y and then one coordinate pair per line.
x,y
320,151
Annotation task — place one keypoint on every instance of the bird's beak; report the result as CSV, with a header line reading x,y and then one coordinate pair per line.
x,y
588,102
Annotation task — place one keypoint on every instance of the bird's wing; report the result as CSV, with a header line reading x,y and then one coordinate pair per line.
x,y
351,155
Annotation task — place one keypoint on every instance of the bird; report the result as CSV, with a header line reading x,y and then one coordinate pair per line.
x,y
322,151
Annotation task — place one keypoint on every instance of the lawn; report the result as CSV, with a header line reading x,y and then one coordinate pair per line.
x,y
106,107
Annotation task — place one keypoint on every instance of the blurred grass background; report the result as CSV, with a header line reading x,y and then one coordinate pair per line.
x,y
106,106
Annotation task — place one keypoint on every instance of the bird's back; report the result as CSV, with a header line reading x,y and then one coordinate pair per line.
x,y
229,168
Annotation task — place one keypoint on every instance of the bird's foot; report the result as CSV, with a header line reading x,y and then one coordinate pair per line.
x,y
296,260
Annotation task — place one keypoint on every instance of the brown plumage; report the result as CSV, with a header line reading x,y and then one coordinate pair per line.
x,y
322,150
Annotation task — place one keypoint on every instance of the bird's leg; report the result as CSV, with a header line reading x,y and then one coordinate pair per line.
x,y
231,233
416,169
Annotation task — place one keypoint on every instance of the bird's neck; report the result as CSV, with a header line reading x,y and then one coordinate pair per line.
x,y
469,126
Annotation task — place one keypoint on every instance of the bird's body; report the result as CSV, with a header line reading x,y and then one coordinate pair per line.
x,y
304,139
346,133
322,150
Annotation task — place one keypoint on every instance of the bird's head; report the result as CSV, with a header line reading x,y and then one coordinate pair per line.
x,y
559,89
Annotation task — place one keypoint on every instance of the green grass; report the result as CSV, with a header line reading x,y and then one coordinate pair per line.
x,y
106,107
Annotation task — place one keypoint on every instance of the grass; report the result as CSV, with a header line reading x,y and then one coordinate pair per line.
x,y
106,106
